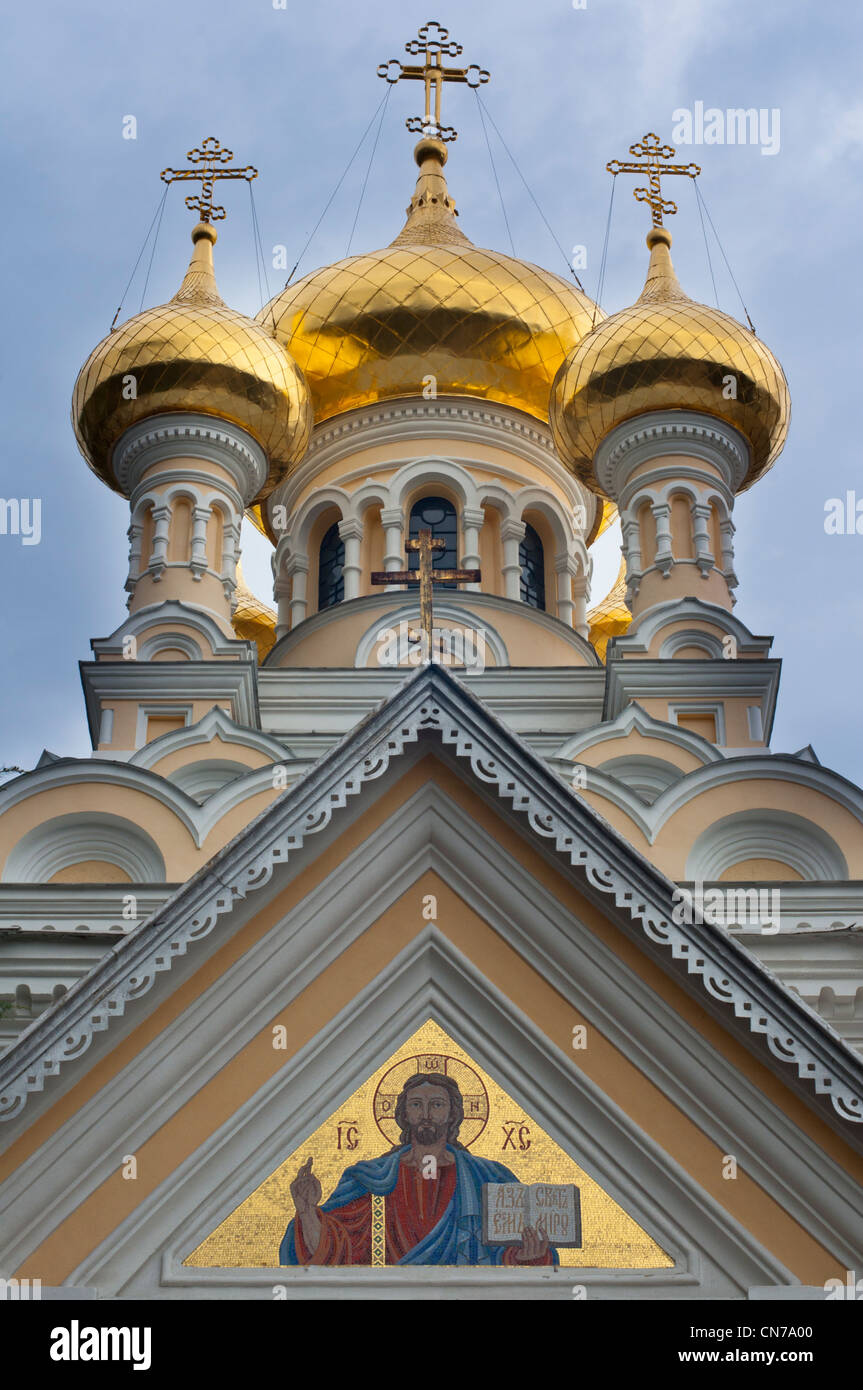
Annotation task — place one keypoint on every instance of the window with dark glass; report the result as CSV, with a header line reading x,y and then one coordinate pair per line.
x,y
331,564
437,515
532,561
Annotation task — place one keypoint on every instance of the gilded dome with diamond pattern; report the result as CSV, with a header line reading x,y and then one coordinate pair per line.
x,y
431,304
668,353
193,354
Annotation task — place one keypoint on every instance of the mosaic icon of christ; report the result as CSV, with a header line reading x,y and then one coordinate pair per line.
x,y
419,1204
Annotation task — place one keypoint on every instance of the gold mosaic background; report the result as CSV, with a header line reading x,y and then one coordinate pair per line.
x,y
251,1235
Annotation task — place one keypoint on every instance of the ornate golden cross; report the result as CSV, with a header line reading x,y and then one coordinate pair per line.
x,y
426,577
654,166
433,42
212,159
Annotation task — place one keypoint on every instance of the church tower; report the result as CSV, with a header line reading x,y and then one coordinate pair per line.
x,y
431,934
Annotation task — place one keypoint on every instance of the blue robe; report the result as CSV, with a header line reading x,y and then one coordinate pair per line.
x,y
457,1237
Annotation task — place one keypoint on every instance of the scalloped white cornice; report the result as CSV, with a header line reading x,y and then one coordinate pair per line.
x,y
194,436
668,432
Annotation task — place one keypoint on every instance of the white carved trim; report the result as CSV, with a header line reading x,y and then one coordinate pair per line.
x,y
79,837
192,435
726,979
766,834
661,432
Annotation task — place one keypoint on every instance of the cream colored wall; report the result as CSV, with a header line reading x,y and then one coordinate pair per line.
x,y
639,745
217,748
126,717
334,643
176,627
755,870
683,581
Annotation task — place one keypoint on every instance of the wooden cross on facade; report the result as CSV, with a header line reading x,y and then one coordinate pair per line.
x,y
654,165
212,159
433,42
426,577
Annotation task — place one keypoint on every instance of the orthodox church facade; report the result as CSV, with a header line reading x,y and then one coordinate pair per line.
x,y
548,849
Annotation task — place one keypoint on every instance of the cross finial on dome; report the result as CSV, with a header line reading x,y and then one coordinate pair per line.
x,y
654,164
433,42
212,159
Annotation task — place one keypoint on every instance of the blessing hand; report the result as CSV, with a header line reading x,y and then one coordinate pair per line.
x,y
534,1244
305,1189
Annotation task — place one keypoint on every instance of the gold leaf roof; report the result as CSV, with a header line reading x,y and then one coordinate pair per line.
x,y
193,354
253,620
611,617
481,323
666,352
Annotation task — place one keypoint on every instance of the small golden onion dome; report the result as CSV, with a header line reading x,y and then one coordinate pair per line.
x,y
611,617
668,353
430,305
252,620
193,354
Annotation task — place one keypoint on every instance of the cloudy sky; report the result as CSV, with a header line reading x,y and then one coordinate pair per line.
x,y
291,90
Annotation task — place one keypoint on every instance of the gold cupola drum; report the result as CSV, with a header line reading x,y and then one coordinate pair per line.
x,y
667,352
194,354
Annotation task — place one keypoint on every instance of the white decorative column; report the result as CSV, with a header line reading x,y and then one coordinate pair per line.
x,y
200,517
581,587
282,596
230,554
351,532
704,557
726,533
632,551
297,570
512,534
393,522
644,460
210,458
565,567
664,552
135,534
472,519
162,520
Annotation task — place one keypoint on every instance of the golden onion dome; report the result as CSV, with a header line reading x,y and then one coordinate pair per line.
x,y
252,619
193,354
668,353
431,304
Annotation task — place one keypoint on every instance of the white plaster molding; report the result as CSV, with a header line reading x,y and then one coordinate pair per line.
x,y
666,432
83,836
190,435
215,724
766,834
724,978
412,419
633,719
173,611
639,636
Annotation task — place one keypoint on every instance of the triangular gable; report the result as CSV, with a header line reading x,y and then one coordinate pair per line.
x,y
729,983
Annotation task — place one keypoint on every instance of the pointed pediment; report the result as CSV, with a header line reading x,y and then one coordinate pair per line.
x,y
433,708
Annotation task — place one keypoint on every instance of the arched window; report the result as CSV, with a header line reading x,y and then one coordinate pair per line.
x,y
331,564
437,515
532,561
